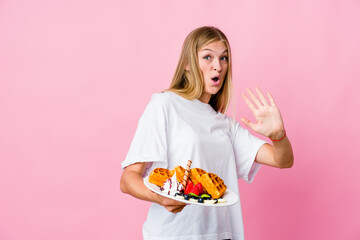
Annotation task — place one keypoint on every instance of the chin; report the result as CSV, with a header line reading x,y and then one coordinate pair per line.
x,y
214,92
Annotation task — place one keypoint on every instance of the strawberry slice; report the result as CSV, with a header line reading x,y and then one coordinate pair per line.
x,y
200,188
189,186
195,190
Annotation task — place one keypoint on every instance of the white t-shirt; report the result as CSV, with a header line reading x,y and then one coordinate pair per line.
x,y
173,130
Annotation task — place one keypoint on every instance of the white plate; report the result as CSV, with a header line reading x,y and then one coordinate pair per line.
x,y
230,197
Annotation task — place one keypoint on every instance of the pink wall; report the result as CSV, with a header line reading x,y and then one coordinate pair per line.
x,y
75,77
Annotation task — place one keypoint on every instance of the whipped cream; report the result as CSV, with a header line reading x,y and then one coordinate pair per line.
x,y
172,186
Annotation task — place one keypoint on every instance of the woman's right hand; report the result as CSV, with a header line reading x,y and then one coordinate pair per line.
x,y
170,204
132,183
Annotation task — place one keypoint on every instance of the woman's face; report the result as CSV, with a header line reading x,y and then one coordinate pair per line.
x,y
213,62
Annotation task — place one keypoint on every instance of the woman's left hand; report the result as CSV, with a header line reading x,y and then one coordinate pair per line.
x,y
268,117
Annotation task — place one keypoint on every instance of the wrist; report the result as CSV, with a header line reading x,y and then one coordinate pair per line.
x,y
153,197
278,136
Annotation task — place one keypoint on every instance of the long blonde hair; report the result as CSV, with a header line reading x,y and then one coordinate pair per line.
x,y
190,83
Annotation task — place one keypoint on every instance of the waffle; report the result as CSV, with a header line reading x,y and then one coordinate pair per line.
x,y
213,184
180,171
195,175
159,175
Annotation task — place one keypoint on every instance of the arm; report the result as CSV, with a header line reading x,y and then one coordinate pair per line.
x,y
278,155
131,182
270,124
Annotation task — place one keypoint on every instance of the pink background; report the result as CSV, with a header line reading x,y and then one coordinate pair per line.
x,y
75,76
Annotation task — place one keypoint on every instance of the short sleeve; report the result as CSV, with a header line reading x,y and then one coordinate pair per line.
x,y
245,147
149,143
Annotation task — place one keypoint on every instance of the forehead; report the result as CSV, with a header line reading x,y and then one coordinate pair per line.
x,y
217,46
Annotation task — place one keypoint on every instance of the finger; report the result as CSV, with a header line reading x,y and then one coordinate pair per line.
x,y
180,208
248,123
261,96
177,209
170,204
272,102
253,97
173,203
174,210
248,102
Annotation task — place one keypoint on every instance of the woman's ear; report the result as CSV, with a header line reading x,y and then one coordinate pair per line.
x,y
187,68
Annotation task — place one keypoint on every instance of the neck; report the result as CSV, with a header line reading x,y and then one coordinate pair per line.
x,y
205,98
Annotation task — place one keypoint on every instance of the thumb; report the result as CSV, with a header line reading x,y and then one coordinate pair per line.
x,y
248,123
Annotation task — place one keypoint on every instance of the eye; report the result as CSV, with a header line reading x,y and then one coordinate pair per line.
x,y
207,57
224,58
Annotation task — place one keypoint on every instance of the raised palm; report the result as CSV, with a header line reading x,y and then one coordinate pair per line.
x,y
268,117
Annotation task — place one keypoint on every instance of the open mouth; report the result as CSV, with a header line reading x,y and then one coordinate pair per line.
x,y
215,79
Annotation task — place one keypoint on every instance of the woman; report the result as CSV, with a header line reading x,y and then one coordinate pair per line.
x,y
188,122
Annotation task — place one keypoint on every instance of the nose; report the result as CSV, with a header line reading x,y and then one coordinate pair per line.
x,y
217,65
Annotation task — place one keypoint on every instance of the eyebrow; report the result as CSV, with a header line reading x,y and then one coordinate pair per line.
x,y
206,49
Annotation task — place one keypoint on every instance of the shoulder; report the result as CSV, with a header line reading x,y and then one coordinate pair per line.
x,y
161,99
158,105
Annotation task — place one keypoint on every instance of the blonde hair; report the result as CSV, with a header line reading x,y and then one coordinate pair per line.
x,y
190,83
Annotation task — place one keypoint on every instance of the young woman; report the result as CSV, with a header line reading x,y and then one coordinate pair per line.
x,y
188,121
